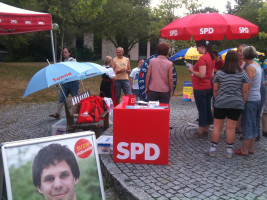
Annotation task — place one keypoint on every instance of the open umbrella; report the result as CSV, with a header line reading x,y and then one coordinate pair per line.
x,y
223,53
189,53
62,73
209,26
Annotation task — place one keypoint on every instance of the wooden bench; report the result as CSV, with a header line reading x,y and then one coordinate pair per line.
x,y
72,113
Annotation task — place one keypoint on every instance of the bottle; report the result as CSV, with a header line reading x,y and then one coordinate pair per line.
x,y
188,65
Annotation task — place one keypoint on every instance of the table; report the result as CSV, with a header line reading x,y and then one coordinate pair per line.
x,y
141,135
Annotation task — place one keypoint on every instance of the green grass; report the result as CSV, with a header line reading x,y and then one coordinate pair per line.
x,y
15,77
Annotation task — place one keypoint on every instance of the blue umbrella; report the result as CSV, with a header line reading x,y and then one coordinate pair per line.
x,y
93,69
62,73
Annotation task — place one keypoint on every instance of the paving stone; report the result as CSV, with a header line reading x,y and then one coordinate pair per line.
x,y
155,195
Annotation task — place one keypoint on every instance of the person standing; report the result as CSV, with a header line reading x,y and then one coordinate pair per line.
x,y
107,87
202,86
66,88
122,68
241,64
249,116
230,90
218,62
134,79
159,78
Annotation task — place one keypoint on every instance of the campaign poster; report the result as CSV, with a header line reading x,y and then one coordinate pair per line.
x,y
57,167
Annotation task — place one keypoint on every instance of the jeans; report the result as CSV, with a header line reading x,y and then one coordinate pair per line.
x,y
203,102
249,118
136,92
124,85
68,88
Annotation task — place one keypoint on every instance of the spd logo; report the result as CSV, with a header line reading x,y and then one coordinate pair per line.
x,y
243,30
173,32
206,31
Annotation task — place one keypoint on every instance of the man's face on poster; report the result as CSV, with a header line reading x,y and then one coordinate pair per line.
x,y
58,182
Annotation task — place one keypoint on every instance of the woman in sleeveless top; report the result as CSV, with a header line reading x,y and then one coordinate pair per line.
x,y
159,78
248,121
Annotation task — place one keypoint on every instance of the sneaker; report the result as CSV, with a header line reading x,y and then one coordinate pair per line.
x,y
197,136
212,153
205,135
229,155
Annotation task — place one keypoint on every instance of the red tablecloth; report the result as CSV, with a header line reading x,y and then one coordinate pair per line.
x,y
141,135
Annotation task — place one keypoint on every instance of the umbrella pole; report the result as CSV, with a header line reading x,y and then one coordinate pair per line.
x,y
82,85
62,91
58,103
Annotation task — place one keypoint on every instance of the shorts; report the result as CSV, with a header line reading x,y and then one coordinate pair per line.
x,y
229,113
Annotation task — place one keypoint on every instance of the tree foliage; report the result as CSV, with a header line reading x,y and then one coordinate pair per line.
x,y
162,16
192,6
70,15
123,22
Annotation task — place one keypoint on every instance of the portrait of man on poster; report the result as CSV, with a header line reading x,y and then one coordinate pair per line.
x,y
55,172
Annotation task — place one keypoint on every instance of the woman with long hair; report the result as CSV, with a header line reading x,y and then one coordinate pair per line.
x,y
202,86
230,91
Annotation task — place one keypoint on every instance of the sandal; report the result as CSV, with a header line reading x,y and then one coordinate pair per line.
x,y
239,152
251,152
54,115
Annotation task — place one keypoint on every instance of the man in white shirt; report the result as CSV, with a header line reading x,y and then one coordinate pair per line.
x,y
134,79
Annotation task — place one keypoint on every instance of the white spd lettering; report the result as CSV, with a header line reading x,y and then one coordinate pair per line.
x,y
206,31
243,30
28,22
41,23
137,149
0,20
173,32
13,21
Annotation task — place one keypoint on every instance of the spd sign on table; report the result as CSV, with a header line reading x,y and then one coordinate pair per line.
x,y
141,135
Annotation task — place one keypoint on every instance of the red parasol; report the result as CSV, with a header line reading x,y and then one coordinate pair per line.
x,y
209,26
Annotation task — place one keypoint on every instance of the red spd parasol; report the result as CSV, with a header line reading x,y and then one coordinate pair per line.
x,y
209,26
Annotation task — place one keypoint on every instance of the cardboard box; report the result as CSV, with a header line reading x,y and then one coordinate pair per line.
x,y
105,144
59,127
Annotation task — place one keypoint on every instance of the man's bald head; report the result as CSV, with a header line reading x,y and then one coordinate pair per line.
x,y
119,52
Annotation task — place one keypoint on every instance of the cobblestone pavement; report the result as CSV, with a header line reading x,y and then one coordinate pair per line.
x,y
191,174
